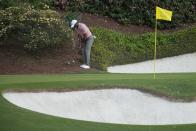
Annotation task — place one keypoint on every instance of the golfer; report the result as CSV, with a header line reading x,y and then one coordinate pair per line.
x,y
87,39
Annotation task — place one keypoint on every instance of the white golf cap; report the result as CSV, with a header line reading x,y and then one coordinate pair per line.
x,y
73,22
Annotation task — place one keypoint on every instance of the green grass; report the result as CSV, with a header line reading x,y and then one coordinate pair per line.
x,y
12,118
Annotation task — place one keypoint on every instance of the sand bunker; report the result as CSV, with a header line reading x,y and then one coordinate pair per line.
x,y
122,106
181,63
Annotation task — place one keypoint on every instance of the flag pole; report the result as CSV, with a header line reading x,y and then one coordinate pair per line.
x,y
155,49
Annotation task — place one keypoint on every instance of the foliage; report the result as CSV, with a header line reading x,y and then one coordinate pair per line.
x,y
36,3
34,28
6,3
140,12
71,16
111,48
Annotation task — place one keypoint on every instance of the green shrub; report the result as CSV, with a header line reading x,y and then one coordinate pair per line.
x,y
33,28
40,4
139,12
36,3
6,3
112,48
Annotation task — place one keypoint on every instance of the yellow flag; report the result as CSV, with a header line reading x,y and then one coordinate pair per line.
x,y
163,14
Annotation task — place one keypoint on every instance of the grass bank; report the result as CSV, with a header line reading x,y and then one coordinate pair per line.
x,y
114,48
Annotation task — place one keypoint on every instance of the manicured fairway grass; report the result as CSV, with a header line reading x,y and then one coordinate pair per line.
x,y
12,118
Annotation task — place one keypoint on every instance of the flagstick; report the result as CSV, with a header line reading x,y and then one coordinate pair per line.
x,y
155,50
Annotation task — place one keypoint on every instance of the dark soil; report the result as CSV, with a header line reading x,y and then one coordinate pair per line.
x,y
17,61
109,23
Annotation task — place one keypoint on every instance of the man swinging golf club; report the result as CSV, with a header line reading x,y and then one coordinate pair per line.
x,y
87,39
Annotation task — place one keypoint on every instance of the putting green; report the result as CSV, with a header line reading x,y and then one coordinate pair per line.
x,y
172,86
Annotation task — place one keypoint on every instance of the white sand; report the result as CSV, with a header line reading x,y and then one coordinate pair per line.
x,y
176,64
123,106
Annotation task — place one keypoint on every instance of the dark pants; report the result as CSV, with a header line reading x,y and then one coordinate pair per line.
x,y
87,50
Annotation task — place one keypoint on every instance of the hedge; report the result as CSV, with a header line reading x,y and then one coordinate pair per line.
x,y
36,3
33,29
113,48
139,12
